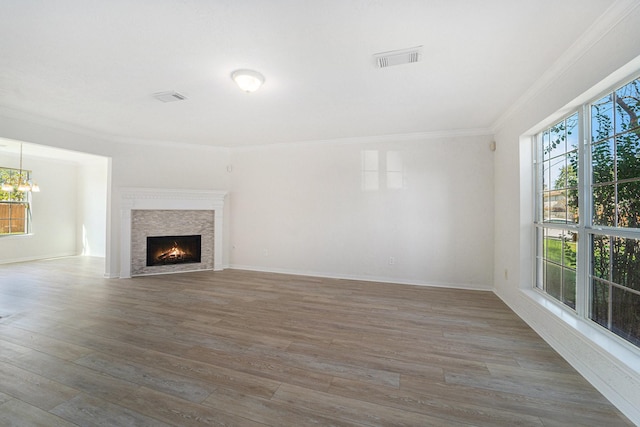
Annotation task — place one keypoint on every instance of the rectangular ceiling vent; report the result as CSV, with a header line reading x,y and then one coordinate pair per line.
x,y
398,57
169,96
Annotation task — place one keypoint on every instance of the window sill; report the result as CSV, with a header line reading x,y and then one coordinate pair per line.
x,y
617,348
15,236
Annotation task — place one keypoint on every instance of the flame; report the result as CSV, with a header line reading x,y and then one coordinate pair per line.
x,y
174,253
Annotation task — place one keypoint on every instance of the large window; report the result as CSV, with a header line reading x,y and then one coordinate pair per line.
x,y
15,206
589,193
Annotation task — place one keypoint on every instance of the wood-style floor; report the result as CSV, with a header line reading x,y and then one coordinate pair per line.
x,y
239,348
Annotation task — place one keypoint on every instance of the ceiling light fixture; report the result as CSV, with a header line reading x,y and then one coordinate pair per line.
x,y
248,80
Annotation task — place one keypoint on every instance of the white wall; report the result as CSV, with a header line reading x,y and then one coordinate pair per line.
x,y
53,213
301,209
612,368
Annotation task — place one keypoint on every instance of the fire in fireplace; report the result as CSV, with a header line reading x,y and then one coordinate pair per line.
x,y
164,250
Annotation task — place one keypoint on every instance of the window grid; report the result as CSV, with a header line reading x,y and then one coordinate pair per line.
x,y
15,206
606,224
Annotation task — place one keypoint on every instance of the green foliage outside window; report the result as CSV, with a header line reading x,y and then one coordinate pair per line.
x,y
612,229
615,266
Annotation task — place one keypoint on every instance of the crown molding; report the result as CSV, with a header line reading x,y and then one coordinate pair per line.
x,y
389,138
596,32
37,119
169,144
373,139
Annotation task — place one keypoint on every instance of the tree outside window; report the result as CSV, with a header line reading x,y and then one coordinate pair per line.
x,y
604,209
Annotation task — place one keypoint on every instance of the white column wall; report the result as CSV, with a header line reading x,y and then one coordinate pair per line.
x,y
92,207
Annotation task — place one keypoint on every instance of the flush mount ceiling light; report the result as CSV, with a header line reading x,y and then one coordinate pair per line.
x,y
248,80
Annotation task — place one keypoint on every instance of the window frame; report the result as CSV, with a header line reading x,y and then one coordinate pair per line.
x,y
27,202
585,228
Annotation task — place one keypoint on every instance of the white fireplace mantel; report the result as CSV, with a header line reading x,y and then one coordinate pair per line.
x,y
168,199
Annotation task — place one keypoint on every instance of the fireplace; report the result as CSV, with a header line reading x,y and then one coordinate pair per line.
x,y
164,250
171,213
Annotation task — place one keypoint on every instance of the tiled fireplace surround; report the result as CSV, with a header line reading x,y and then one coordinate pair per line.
x,y
156,212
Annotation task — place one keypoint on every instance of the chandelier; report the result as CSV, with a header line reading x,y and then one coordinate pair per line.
x,y
21,181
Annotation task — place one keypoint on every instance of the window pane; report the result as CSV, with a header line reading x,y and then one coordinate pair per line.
x,y
557,202
628,106
553,245
572,205
602,119
600,303
546,182
602,162
572,169
540,273
628,155
557,140
569,287
600,257
570,249
540,258
604,205
625,318
553,280
18,226
557,173
626,263
629,204
572,132
546,206
13,218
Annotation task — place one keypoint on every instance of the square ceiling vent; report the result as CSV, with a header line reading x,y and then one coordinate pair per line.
x,y
170,96
398,57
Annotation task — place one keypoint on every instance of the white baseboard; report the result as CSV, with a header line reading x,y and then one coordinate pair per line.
x,y
36,258
364,278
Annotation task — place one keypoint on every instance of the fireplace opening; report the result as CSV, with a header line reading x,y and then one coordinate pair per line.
x,y
165,250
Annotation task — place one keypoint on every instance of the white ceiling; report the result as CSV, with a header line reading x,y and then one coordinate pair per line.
x,y
95,64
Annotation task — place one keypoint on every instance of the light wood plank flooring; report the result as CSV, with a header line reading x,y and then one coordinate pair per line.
x,y
239,348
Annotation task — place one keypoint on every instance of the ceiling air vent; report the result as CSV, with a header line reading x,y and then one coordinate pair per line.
x,y
169,96
398,57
